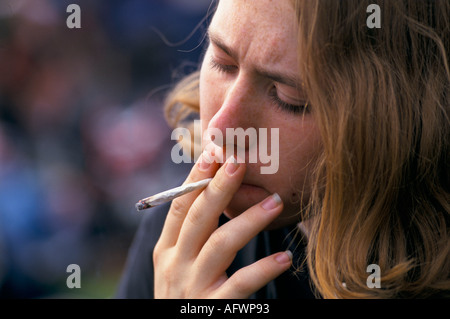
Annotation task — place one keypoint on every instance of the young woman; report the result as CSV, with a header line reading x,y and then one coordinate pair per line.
x,y
364,151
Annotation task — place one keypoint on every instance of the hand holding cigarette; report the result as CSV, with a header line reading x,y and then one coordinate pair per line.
x,y
192,254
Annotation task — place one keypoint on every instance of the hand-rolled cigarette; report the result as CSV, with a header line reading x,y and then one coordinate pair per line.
x,y
170,194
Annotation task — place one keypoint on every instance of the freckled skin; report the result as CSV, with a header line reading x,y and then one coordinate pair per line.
x,y
262,34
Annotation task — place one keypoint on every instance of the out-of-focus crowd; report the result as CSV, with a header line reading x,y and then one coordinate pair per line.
x,y
82,134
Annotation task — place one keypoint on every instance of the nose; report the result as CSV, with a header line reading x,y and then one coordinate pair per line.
x,y
239,107
236,119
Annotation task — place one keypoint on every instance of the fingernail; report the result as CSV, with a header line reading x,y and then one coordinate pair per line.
x,y
205,161
284,257
232,166
271,202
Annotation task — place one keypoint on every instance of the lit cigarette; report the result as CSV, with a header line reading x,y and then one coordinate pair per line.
x,y
170,194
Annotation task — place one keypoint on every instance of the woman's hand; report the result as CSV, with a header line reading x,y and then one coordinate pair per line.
x,y
192,254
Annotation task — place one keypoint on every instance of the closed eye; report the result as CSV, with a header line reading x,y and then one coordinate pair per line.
x,y
226,68
275,99
293,108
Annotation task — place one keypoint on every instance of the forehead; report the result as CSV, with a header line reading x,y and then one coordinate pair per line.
x,y
264,31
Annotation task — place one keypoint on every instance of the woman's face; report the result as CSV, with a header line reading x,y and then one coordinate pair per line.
x,y
249,79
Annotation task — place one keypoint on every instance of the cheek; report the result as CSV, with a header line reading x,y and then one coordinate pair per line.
x,y
309,148
298,154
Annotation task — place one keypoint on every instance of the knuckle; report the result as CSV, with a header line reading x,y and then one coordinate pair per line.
x,y
194,215
218,241
168,275
177,209
218,186
165,267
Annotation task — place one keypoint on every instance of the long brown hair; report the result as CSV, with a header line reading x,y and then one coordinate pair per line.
x,y
381,100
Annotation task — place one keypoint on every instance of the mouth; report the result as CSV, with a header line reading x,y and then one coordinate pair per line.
x,y
249,193
250,185
245,197
249,190
245,183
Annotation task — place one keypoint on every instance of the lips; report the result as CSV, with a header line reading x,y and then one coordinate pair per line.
x,y
246,196
250,185
253,192
249,188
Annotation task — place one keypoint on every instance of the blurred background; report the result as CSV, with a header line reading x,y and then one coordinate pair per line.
x,y
82,134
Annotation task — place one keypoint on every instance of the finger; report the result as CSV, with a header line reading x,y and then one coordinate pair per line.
x,y
204,168
203,216
250,279
222,246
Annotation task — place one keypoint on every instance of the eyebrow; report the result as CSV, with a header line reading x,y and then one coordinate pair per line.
x,y
286,79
